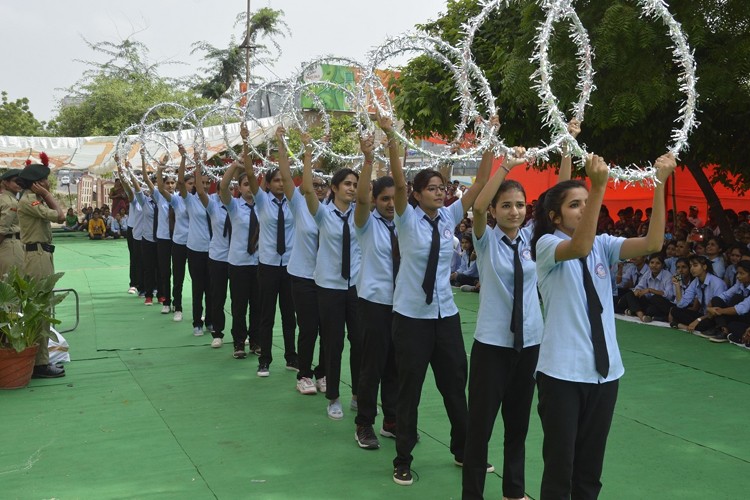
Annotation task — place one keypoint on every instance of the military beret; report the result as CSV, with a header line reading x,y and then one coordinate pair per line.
x,y
34,172
9,174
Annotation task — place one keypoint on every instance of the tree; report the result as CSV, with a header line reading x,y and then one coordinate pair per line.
x,y
115,94
17,119
228,66
637,93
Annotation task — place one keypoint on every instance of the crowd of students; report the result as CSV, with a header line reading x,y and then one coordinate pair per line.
x,y
373,264
99,223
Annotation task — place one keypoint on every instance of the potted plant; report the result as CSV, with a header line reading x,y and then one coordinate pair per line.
x,y
26,310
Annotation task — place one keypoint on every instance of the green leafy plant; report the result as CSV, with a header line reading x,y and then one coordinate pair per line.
x,y
26,305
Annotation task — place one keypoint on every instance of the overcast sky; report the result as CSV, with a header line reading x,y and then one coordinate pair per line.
x,y
42,38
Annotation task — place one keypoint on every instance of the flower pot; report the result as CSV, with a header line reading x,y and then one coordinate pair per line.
x,y
16,367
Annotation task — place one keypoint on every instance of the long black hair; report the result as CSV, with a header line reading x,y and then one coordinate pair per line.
x,y
509,185
338,178
550,201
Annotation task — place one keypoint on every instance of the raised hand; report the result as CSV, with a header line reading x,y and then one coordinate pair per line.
x,y
385,123
182,150
597,170
367,145
517,158
665,165
244,132
574,127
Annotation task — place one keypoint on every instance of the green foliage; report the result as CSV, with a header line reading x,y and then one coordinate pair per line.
x,y
637,98
26,305
16,119
115,94
343,136
228,66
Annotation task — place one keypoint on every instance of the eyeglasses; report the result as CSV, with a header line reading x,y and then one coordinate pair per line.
x,y
319,186
434,188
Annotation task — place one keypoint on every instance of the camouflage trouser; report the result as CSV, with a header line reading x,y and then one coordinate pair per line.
x,y
39,264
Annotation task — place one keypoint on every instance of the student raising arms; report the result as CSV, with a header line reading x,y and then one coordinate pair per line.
x,y
579,361
426,323
508,333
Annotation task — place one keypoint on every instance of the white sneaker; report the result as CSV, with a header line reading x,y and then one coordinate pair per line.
x,y
321,384
306,386
177,316
354,406
198,331
335,411
133,290
166,309
217,342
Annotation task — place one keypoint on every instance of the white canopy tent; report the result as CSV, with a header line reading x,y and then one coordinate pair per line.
x,y
95,154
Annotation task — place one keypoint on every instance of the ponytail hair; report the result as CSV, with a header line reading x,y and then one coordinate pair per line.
x,y
550,201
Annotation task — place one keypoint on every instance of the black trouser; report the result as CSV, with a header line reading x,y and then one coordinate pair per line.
x,y
305,297
164,254
658,306
148,252
201,281
722,321
219,272
419,343
463,279
378,363
274,282
686,316
245,297
338,308
576,418
179,258
499,378
136,267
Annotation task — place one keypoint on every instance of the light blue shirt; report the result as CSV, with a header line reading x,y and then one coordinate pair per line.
x,y
415,238
718,266
710,288
198,235
147,207
181,220
566,352
495,263
376,273
328,264
467,267
730,275
239,214
741,290
670,263
662,282
268,214
305,250
162,232
218,248
115,226
135,220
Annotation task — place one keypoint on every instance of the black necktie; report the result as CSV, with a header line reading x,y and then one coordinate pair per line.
x,y
395,251
227,224
156,217
210,229
516,318
280,236
253,231
171,222
428,284
594,306
703,297
345,246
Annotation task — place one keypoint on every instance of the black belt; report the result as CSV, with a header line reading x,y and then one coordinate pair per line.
x,y
33,247
11,236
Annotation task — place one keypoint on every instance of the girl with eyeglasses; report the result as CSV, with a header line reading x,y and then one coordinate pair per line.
x,y
301,272
426,323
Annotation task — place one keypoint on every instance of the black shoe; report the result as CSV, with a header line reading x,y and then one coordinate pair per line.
x,y
263,370
239,352
460,463
47,371
254,348
402,475
292,365
366,438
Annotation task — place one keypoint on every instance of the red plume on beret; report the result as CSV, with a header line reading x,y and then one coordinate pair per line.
x,y
45,159
28,162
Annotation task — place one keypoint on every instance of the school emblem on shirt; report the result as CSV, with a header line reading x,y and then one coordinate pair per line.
x,y
600,271
526,254
447,233
35,203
